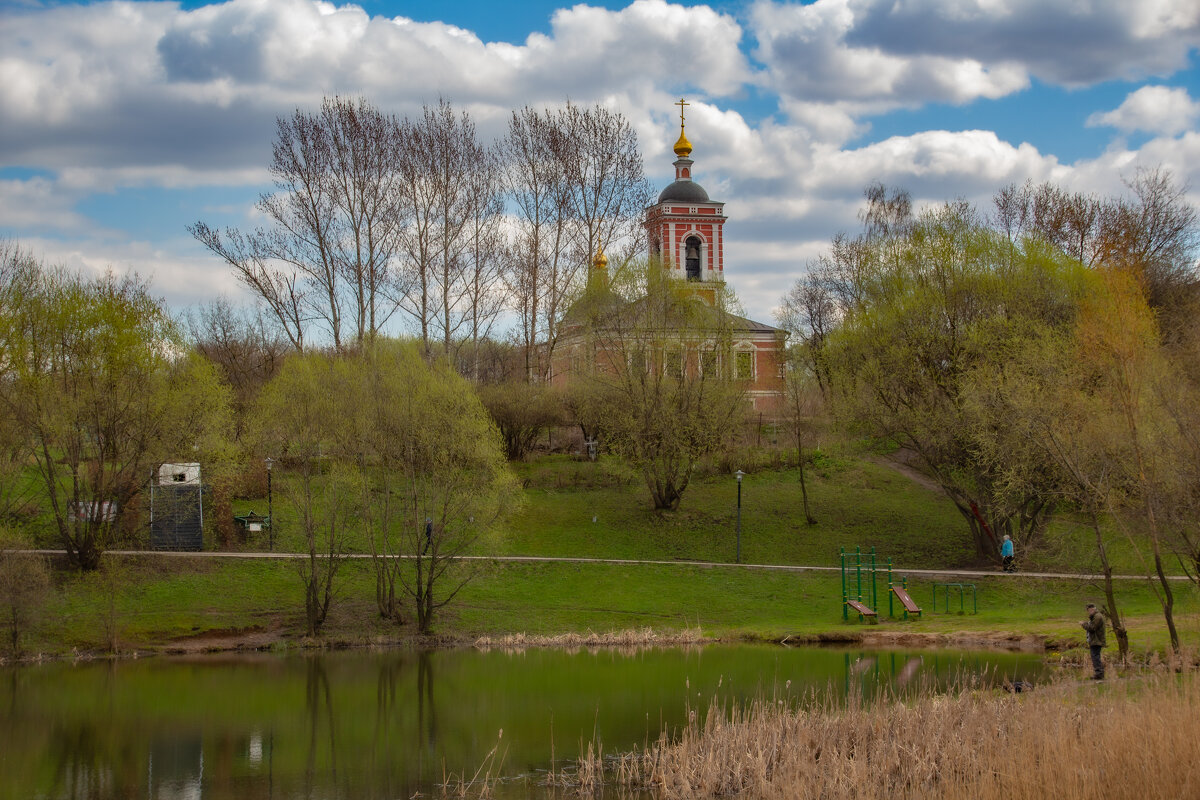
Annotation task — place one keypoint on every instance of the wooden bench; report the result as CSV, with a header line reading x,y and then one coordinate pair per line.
x,y
909,604
863,611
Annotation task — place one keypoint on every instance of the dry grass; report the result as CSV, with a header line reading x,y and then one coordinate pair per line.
x,y
644,637
1070,741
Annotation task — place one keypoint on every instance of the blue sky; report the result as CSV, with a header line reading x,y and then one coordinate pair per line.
x,y
125,122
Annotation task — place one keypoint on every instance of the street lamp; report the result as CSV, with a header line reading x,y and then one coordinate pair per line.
x,y
739,474
270,462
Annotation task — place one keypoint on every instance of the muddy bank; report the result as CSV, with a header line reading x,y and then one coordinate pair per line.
x,y
275,637
962,640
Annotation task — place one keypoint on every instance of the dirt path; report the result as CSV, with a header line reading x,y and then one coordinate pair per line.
x,y
901,461
957,573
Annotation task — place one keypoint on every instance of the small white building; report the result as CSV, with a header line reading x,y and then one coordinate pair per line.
x,y
177,508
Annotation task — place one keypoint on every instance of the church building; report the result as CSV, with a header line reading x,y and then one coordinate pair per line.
x,y
685,231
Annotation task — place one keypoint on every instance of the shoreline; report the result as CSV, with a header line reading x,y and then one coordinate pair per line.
x,y
275,642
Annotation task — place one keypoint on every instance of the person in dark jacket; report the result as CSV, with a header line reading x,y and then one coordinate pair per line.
x,y
1096,639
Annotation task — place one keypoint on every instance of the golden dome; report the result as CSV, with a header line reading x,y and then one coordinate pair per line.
x,y
683,148
600,261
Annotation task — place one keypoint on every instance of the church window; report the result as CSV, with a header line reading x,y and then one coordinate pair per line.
x,y
674,363
692,258
710,364
639,361
745,365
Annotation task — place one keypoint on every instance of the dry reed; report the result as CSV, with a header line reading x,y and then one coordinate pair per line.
x,y
644,637
1128,739
483,783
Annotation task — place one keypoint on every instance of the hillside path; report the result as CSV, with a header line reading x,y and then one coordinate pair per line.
x,y
931,573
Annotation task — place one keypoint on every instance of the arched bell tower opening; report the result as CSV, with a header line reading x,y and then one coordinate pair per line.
x,y
692,250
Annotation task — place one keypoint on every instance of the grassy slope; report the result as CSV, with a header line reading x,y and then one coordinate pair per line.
x,y
857,503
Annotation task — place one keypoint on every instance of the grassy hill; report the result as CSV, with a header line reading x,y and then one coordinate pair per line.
x,y
600,509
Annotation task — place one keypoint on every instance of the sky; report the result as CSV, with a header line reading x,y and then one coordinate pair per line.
x,y
123,122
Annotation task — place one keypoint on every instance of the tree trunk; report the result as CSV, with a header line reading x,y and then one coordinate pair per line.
x,y
1168,598
808,517
1110,597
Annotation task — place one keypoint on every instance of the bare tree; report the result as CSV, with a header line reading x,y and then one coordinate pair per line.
x,y
536,186
810,311
1070,222
483,272
335,219
575,178
244,347
439,161
1156,235
608,191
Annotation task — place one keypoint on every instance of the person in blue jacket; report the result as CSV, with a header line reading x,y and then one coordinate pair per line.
x,y
1006,552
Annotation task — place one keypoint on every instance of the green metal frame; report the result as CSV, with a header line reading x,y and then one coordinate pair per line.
x,y
859,564
961,587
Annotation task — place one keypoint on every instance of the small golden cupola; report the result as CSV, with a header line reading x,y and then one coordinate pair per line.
x,y
683,148
597,279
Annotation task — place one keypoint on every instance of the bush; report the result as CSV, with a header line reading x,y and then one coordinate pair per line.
x,y
24,585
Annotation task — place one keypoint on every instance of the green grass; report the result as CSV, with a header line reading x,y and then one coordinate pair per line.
x,y
182,599
857,501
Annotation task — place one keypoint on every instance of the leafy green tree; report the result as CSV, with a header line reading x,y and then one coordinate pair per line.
x,y
933,307
384,444
95,373
659,379
436,482
298,418
521,411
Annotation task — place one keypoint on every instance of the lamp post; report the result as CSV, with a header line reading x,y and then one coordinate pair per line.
x,y
270,462
739,474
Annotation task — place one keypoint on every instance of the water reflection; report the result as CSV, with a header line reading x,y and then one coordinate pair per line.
x,y
387,725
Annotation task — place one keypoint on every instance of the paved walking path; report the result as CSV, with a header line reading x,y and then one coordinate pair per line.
x,y
958,573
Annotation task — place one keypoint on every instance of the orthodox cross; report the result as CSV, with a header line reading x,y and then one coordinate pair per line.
x,y
681,104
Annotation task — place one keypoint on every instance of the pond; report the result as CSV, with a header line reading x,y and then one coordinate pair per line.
x,y
359,725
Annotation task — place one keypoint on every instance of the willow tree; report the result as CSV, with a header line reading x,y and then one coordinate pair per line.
x,y
1118,344
1046,393
382,445
298,420
96,376
935,304
435,480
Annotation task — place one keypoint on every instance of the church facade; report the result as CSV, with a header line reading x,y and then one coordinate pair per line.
x,y
685,232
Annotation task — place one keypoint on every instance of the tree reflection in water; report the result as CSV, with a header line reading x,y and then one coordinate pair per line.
x,y
361,725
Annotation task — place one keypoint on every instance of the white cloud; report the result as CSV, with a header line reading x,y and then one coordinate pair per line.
x,y
150,87
182,279
1155,109
893,53
40,204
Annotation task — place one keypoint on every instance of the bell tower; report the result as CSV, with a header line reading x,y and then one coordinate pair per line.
x,y
684,226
